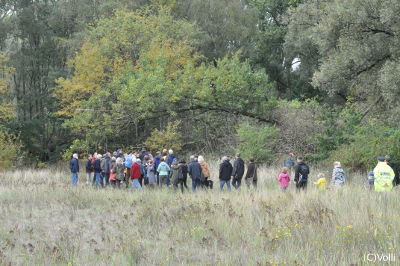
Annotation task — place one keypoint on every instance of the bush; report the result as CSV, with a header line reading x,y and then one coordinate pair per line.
x,y
10,150
82,147
369,141
170,138
257,142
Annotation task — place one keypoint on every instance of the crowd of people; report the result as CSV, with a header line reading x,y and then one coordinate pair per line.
x,y
139,170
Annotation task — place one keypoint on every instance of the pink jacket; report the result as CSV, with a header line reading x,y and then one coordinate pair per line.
x,y
284,179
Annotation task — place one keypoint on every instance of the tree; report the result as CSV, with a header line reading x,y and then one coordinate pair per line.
x,y
357,44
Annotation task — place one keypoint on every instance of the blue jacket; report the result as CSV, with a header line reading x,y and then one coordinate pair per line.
x,y
194,170
170,159
157,161
128,161
74,165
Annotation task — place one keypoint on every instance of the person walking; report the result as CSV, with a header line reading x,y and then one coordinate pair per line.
x,y
289,163
251,174
383,175
129,159
135,175
176,175
321,182
106,168
89,169
163,171
301,174
238,171
157,161
338,176
97,171
225,173
74,167
284,179
151,174
205,172
194,169
118,171
185,171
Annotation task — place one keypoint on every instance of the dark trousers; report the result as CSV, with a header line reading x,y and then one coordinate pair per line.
x,y
115,183
106,177
302,185
127,177
181,183
237,181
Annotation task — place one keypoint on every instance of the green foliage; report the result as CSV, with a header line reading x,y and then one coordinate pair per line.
x,y
11,150
369,141
338,126
257,142
170,138
81,147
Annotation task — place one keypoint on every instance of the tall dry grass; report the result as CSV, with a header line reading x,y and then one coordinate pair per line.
x,y
44,221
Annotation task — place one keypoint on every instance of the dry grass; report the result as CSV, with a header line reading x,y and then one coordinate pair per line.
x,y
45,221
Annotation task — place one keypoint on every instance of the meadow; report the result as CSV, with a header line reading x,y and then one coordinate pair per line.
x,y
44,221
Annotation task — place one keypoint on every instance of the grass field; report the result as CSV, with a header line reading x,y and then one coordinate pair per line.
x,y
45,221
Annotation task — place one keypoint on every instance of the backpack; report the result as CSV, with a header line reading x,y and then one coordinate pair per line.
x,y
304,170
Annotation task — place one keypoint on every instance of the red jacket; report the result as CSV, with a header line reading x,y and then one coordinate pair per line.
x,y
135,171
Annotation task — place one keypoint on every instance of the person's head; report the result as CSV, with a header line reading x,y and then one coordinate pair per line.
x,y
89,156
192,158
162,159
225,158
158,153
113,159
75,155
175,162
337,164
291,154
285,170
200,159
321,175
170,152
98,157
119,160
381,159
237,155
108,154
251,160
387,158
300,159
146,157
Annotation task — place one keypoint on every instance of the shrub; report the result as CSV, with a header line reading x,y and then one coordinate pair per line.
x,y
170,138
257,142
10,150
82,147
368,142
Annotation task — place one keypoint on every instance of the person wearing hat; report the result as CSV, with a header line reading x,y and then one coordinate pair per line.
x,y
383,175
394,166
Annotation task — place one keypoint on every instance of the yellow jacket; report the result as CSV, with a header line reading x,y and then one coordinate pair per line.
x,y
384,176
321,183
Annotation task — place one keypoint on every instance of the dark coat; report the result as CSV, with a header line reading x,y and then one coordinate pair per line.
x,y
184,169
170,159
97,166
238,168
395,167
300,173
225,170
251,171
106,164
74,165
88,166
195,170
